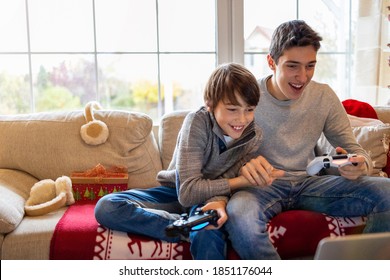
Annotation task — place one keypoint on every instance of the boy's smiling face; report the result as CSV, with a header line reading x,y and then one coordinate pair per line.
x,y
292,73
234,119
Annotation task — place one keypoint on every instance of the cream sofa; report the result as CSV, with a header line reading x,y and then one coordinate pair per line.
x,y
39,146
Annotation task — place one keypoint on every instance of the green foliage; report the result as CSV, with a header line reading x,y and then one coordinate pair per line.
x,y
118,93
145,92
69,85
55,99
14,94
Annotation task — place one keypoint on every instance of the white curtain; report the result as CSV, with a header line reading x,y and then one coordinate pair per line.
x,y
372,70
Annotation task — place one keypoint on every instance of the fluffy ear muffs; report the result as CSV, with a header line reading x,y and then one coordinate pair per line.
x,y
48,195
94,132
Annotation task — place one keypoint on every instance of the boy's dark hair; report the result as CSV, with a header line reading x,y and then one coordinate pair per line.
x,y
230,79
295,33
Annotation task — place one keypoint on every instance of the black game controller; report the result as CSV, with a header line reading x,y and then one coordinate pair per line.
x,y
186,223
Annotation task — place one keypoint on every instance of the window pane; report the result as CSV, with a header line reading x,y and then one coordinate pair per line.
x,y
13,26
183,79
187,25
332,70
14,84
63,82
330,19
129,82
257,64
126,25
261,18
61,26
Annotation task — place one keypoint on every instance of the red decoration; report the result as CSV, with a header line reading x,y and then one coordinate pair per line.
x,y
95,183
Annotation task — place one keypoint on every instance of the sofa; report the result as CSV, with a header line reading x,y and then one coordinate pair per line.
x,y
40,146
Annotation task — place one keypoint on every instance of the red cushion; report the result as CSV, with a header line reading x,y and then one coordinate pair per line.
x,y
364,110
386,169
296,233
359,109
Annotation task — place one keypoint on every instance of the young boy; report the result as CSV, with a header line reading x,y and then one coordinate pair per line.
x,y
213,144
293,112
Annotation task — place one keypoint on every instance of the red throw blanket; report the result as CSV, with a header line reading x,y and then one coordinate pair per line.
x,y
78,236
294,234
76,229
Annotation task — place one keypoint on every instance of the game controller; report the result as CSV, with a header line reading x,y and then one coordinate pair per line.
x,y
186,223
317,164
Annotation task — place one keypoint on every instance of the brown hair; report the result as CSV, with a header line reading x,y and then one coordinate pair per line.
x,y
230,79
295,33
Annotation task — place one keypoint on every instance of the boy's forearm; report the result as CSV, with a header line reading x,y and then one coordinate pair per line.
x,y
238,182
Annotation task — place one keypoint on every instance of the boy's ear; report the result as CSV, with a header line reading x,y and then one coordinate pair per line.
x,y
209,106
271,62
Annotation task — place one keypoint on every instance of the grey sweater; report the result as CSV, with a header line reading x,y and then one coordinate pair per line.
x,y
292,128
202,160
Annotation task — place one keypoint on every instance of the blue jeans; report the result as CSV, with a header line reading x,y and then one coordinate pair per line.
x,y
141,211
208,244
250,209
148,212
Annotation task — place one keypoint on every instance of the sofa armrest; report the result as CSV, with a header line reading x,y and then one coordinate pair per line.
x,y
14,190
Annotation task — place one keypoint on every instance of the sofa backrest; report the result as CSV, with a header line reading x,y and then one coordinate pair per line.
x,y
169,128
383,113
49,145
170,125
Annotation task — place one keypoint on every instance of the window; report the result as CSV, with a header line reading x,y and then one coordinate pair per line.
x,y
141,55
151,56
332,19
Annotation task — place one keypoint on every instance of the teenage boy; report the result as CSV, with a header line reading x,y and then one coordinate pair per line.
x,y
293,111
213,144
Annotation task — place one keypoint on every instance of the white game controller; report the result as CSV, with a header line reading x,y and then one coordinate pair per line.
x,y
317,164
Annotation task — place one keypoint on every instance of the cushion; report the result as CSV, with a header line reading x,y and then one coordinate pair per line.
x,y
363,111
170,125
49,145
292,239
359,109
14,190
373,138
383,113
357,121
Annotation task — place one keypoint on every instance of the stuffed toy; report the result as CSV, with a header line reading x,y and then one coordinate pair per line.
x,y
94,132
48,195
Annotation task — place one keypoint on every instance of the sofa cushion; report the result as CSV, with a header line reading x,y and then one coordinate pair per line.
x,y
31,239
49,145
170,125
359,109
367,114
383,113
14,190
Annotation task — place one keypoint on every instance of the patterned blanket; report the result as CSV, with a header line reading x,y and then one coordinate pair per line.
x,y
294,234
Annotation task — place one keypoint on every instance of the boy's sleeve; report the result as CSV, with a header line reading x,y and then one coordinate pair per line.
x,y
192,188
338,132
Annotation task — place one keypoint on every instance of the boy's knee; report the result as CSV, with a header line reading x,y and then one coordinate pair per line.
x,y
103,209
99,210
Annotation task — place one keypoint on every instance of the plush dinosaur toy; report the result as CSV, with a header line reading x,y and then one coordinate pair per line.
x,y
94,132
48,195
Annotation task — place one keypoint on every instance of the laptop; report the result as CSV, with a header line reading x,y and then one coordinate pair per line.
x,y
370,246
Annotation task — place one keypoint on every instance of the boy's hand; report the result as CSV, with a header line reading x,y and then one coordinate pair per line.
x,y
351,171
220,207
259,172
